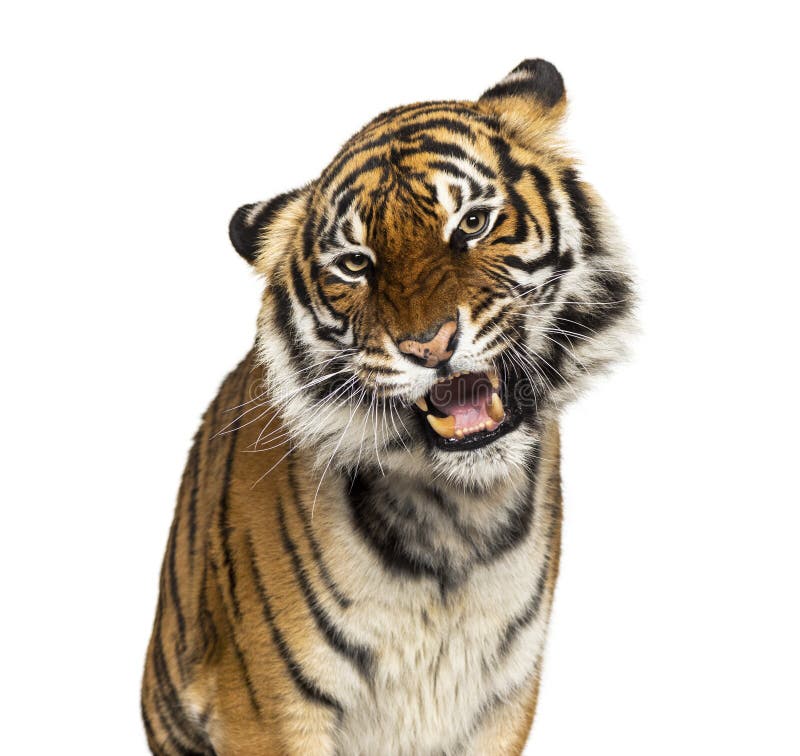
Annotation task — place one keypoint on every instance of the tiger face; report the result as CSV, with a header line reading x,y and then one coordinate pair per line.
x,y
441,288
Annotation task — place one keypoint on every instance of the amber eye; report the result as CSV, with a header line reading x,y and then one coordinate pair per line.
x,y
354,263
474,222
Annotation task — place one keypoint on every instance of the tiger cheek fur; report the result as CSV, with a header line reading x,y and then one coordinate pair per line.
x,y
364,551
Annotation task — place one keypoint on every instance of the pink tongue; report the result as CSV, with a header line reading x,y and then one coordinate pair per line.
x,y
468,415
465,399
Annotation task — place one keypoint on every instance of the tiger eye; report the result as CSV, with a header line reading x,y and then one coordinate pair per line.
x,y
355,263
474,222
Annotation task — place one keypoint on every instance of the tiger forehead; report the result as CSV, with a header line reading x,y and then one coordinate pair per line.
x,y
415,142
399,201
410,185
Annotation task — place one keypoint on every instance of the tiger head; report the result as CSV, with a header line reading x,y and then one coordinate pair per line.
x,y
440,290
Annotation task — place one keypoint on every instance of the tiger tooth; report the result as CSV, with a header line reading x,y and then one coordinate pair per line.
x,y
495,408
422,404
494,379
444,426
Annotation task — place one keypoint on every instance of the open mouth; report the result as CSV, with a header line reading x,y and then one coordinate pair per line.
x,y
467,410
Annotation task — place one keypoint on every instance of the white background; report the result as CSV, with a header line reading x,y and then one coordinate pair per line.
x,y
129,136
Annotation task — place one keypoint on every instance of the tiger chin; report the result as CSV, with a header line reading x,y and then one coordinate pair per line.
x,y
366,541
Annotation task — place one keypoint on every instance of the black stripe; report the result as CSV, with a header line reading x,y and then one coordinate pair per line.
x,y
173,584
148,725
206,626
373,163
370,350
407,113
358,655
306,687
492,322
582,209
171,740
454,170
425,143
225,528
180,724
380,369
544,187
326,333
512,172
283,321
348,233
528,266
299,285
321,330
529,613
520,518
484,303
248,681
456,195
449,124
499,273
402,131
310,229
332,279
194,461
453,151
344,294
342,600
494,342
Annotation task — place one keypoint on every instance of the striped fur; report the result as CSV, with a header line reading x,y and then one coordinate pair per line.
x,y
339,580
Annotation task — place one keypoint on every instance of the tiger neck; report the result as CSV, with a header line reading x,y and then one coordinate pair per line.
x,y
423,528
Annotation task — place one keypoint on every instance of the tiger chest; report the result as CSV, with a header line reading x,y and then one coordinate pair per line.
x,y
441,664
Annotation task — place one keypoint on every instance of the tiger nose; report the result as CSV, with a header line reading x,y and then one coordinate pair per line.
x,y
434,351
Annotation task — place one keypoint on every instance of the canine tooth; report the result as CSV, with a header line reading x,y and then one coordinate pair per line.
x,y
444,426
494,379
495,408
422,404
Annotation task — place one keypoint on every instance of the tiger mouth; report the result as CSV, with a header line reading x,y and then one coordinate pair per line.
x,y
467,410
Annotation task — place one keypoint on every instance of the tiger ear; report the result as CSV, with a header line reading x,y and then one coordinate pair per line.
x,y
249,227
531,100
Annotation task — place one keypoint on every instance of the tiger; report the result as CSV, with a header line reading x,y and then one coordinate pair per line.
x,y
366,540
